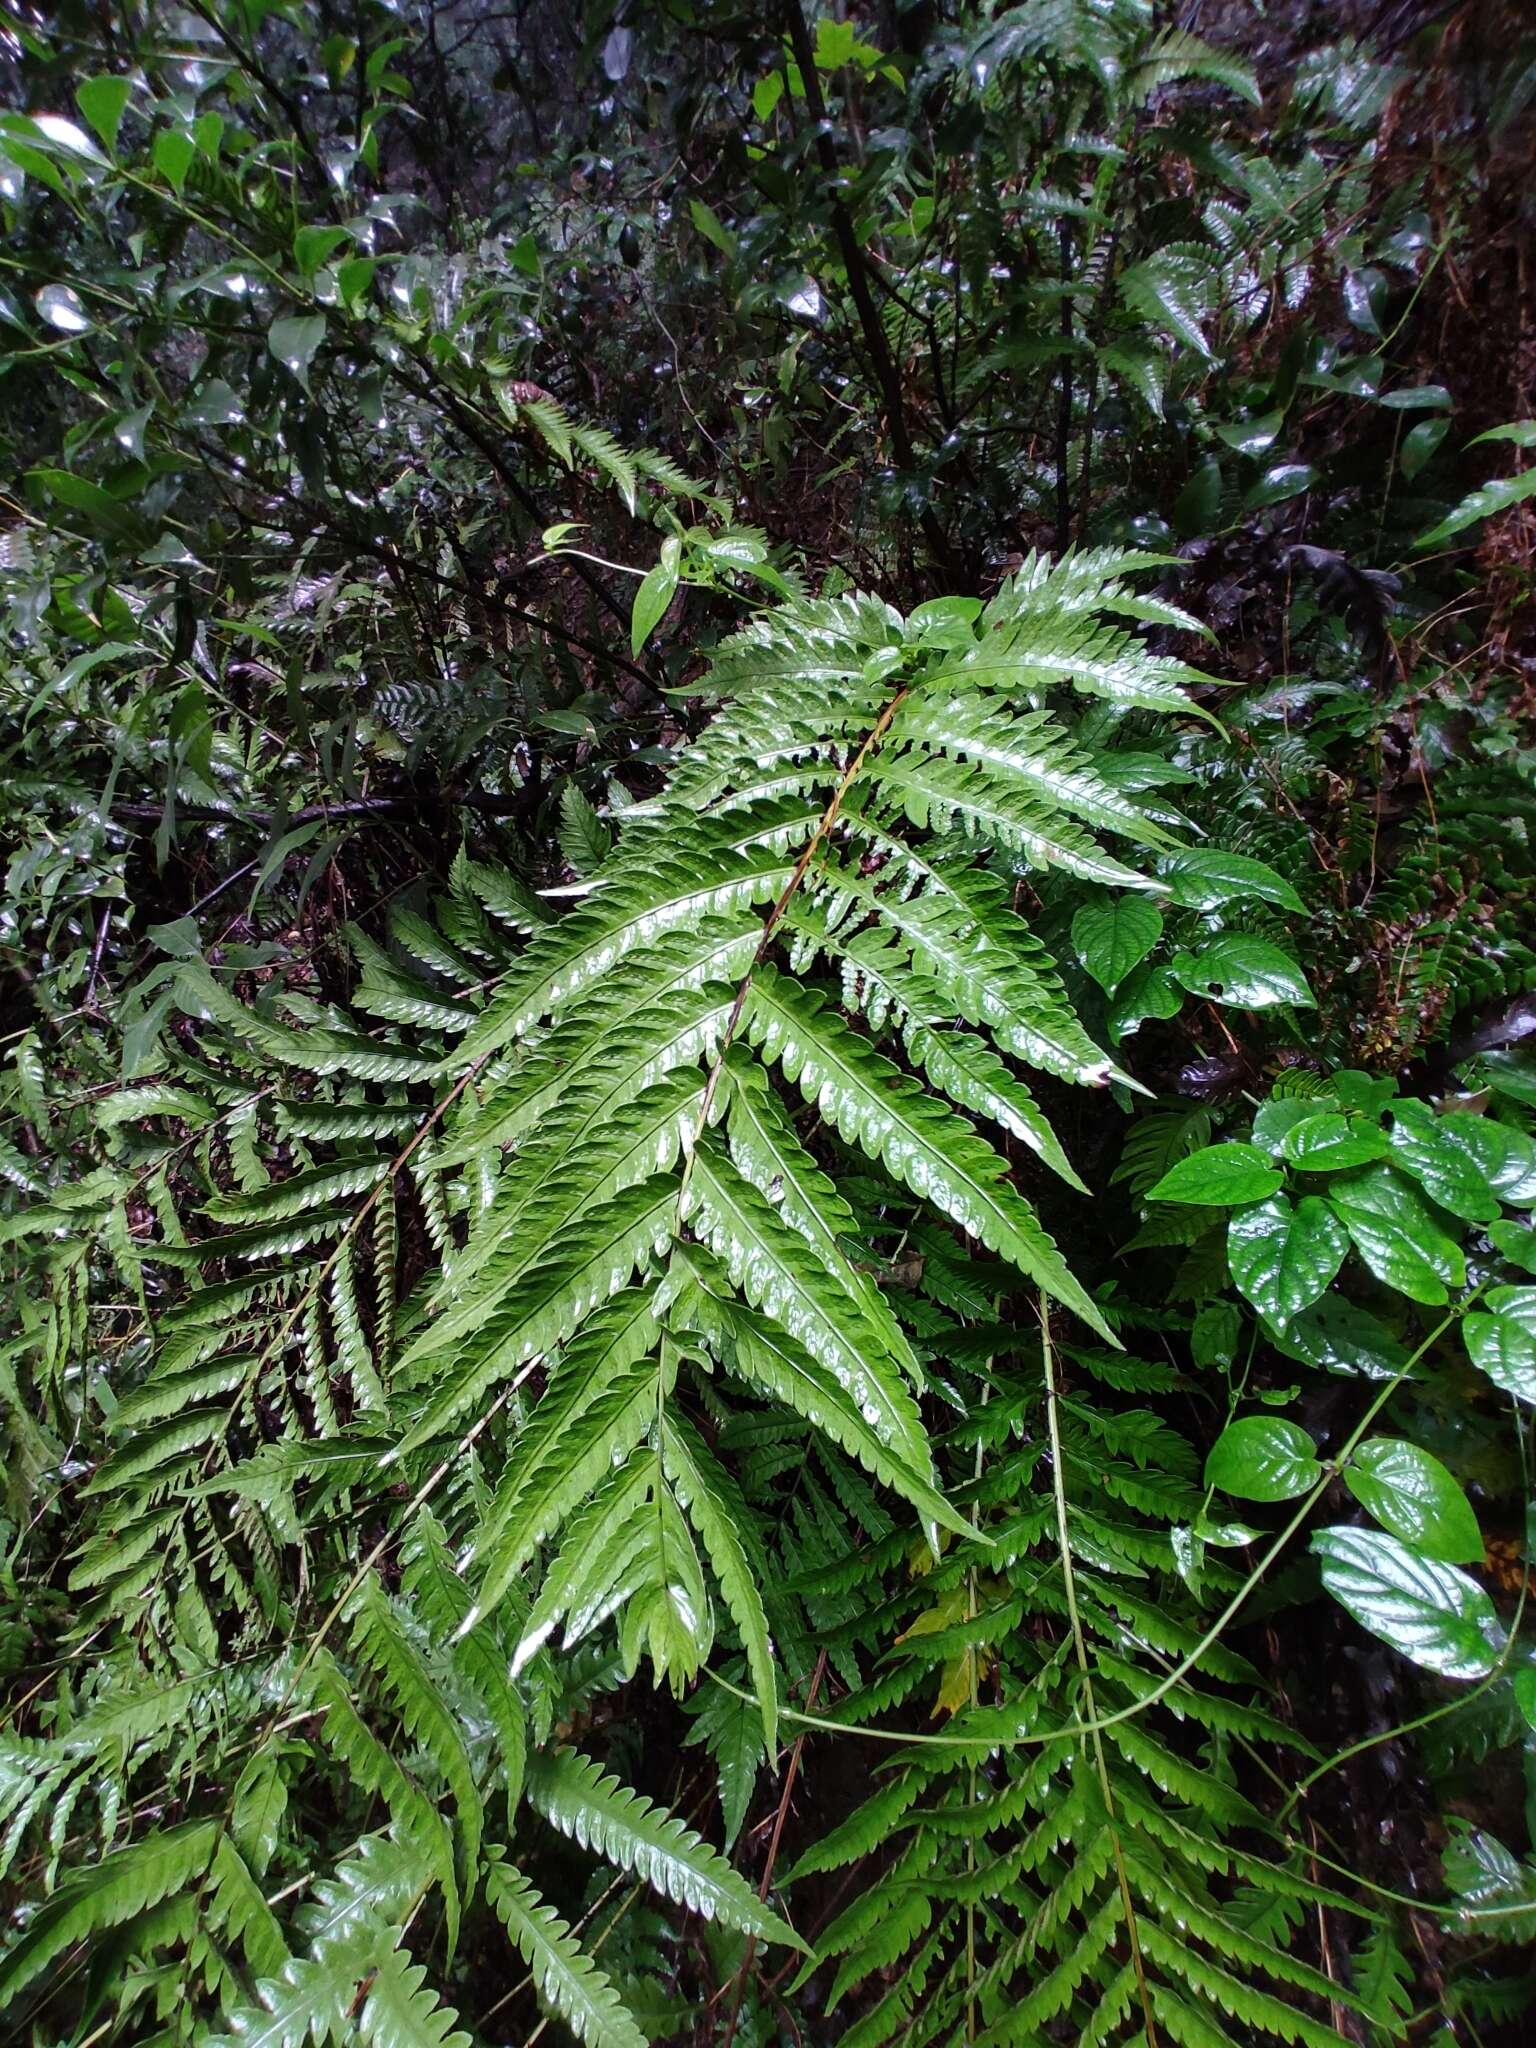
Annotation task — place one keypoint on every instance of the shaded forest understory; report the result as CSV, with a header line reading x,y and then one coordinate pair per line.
x,y
767,1024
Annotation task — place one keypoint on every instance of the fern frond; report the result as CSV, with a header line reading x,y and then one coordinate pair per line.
x,y
625,912
773,1359
382,1642
706,1497
568,1980
594,1809
585,1264
779,1276
1029,752
402,2010
600,1401
936,1153
119,1888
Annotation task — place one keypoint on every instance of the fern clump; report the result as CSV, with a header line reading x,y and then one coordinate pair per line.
x,y
461,1299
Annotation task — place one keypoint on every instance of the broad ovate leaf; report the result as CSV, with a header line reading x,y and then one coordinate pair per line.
x,y
1340,1336
1396,1235
1433,1614
1501,1340
1245,973
1113,934
1263,1457
1328,1143
1414,1498
1205,877
1282,1255
1219,1176
1463,1162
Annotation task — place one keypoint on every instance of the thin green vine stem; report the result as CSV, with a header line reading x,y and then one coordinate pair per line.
x,y
1080,1650
1071,1731
1432,1714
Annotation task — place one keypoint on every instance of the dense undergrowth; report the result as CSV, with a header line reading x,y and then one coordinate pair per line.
x,y
766,959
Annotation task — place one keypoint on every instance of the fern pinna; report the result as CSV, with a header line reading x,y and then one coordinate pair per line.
x,y
631,1296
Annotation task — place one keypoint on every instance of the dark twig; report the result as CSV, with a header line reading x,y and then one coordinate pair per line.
x,y
407,806
791,1769
1064,401
88,1000
887,376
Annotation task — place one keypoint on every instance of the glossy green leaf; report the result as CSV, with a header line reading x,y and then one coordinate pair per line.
x,y
294,340
1434,1615
1263,1457
1340,1336
1214,1336
1414,1498
1148,992
710,226
1251,436
1495,1890
654,594
315,246
1329,1143
173,150
1501,1340
1274,1118
1244,972
213,404
1114,934
1204,877
354,276
1480,504
1197,508
1517,1242
1416,398
96,507
1459,1160
1283,1257
103,101
1219,1175
1396,1234
1419,444
1280,481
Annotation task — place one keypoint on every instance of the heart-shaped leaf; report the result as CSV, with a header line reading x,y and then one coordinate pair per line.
x,y
1283,1257
1263,1457
1114,934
